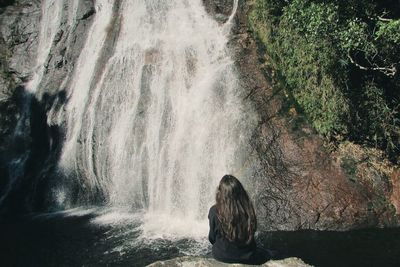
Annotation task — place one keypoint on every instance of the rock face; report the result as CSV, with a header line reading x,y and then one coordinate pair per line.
x,y
204,262
18,41
219,9
28,144
303,185
4,3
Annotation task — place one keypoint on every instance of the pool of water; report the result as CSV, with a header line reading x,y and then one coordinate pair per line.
x,y
104,238
367,247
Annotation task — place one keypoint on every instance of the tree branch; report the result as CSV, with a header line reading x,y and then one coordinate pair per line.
x,y
388,71
384,19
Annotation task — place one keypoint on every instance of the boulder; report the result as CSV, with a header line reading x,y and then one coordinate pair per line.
x,y
220,10
189,261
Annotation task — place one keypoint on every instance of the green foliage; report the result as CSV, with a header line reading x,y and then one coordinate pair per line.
x,y
307,62
388,31
380,123
349,165
339,61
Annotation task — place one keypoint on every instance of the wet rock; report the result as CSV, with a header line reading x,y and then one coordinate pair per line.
x,y
8,107
59,61
19,30
221,18
4,3
66,49
189,261
19,33
219,9
58,36
85,9
304,186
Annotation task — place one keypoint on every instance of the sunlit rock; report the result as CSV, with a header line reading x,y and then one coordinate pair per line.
x,y
189,261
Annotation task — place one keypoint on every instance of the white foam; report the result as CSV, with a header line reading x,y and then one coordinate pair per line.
x,y
165,226
116,217
75,212
137,229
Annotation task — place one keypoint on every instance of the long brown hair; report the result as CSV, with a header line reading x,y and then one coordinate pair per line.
x,y
235,211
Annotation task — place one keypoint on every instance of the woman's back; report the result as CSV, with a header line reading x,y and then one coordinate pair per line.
x,y
232,223
225,250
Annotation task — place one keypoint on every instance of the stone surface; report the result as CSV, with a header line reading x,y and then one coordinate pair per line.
x,y
395,191
66,49
220,10
36,141
19,28
4,3
304,185
189,261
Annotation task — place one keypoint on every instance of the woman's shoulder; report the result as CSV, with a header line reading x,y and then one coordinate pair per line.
x,y
212,212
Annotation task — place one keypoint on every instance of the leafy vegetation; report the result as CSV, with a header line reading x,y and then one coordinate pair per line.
x,y
339,61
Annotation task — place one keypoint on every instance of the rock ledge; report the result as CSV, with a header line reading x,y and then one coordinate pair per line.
x,y
189,261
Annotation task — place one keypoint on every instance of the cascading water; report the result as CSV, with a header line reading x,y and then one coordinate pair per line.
x,y
161,122
50,22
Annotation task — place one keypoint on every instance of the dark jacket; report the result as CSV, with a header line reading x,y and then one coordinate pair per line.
x,y
225,250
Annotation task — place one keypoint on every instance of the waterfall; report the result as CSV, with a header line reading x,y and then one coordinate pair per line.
x,y
49,25
156,125
79,156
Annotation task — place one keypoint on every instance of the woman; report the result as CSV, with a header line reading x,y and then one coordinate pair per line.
x,y
233,224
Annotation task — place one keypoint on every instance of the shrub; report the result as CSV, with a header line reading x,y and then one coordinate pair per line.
x,y
339,61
